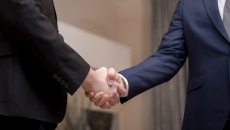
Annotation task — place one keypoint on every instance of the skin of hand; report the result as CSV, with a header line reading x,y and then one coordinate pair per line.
x,y
96,82
112,78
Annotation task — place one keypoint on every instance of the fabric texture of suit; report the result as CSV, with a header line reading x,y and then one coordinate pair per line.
x,y
37,68
197,32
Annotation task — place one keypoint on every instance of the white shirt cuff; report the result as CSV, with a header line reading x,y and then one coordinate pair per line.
x,y
127,85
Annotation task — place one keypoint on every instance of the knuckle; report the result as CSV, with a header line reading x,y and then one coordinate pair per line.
x,y
105,106
103,99
122,94
112,72
91,100
110,97
104,68
111,69
96,98
114,92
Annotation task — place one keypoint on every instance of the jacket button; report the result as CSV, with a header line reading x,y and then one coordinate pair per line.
x,y
55,76
66,85
59,79
62,82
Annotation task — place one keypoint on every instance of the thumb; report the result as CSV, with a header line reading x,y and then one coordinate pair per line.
x,y
113,76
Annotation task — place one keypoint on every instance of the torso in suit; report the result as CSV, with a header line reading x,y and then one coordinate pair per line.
x,y
37,68
197,32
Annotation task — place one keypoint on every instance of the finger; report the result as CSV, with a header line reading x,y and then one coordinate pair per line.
x,y
113,76
112,102
116,98
121,89
115,94
106,106
89,94
102,101
97,97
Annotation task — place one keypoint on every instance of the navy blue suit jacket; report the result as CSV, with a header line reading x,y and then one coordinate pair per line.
x,y
197,32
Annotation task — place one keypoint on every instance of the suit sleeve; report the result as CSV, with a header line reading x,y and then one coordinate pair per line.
x,y
162,65
23,23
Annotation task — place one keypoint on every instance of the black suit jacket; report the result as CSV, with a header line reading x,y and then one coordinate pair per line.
x,y
37,68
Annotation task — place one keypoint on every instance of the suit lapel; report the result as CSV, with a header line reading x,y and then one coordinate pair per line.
x,y
214,14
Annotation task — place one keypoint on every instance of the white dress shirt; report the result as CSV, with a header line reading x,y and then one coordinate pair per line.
x,y
221,4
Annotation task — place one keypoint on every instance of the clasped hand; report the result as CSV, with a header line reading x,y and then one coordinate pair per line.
x,y
104,87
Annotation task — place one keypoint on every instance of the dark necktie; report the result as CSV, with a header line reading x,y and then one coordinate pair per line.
x,y
226,19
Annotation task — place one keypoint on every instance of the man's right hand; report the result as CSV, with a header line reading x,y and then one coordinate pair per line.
x,y
112,78
97,82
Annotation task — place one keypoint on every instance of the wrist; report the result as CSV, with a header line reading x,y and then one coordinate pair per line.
x,y
87,83
123,84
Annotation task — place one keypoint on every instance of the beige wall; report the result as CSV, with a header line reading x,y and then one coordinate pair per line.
x,y
96,16
126,22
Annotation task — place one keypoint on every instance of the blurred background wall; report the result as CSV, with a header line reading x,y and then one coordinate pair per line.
x,y
121,34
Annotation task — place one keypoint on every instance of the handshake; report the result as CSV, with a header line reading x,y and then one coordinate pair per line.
x,y
104,87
